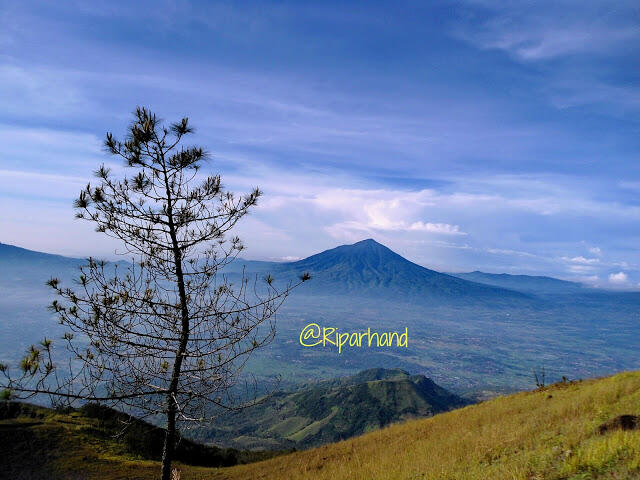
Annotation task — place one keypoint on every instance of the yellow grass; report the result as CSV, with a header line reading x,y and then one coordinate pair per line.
x,y
522,436
547,434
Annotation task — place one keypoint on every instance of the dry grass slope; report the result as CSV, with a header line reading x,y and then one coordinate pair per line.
x,y
546,434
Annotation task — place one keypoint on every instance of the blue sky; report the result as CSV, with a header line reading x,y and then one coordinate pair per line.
x,y
492,135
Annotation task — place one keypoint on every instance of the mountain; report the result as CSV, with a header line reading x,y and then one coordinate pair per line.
x,y
21,265
12,254
524,283
332,410
570,430
24,297
371,269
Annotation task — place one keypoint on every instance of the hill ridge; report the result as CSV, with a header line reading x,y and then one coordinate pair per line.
x,y
332,410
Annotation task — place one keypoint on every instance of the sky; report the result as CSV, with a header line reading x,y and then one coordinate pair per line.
x,y
491,135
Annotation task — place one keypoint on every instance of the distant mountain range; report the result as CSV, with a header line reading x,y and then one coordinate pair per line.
x,y
332,410
524,283
363,268
19,264
473,332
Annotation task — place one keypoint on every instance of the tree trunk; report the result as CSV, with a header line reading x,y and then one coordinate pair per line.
x,y
169,440
172,407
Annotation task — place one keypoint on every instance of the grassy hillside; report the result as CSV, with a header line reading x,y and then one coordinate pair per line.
x,y
332,410
91,442
550,434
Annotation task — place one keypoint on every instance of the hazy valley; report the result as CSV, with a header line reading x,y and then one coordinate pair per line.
x,y
472,338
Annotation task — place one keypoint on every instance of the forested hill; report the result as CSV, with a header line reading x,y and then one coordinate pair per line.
x,y
333,410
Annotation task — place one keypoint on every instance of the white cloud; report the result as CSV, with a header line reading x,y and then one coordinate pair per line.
x,y
550,41
443,228
542,194
543,30
289,258
619,278
561,31
595,251
506,251
383,210
581,269
581,260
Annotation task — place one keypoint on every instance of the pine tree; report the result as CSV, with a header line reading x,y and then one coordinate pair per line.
x,y
167,334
